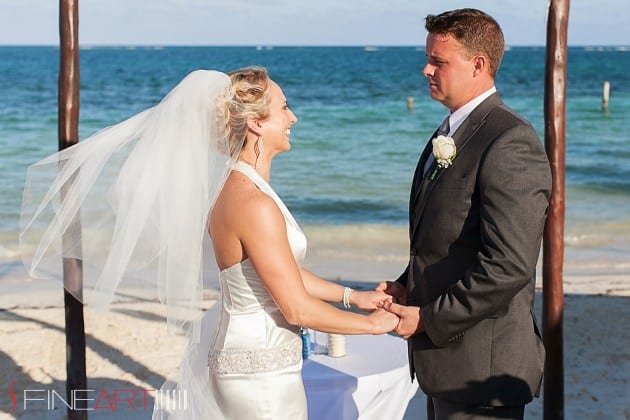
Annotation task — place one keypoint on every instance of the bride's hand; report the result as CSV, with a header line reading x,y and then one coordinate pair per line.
x,y
396,290
368,301
383,321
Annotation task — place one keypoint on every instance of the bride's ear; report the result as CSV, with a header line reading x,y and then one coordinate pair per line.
x,y
254,126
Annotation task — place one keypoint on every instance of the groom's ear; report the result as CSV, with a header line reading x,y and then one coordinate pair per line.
x,y
480,64
254,126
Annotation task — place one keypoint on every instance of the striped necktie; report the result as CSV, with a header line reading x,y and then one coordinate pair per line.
x,y
445,127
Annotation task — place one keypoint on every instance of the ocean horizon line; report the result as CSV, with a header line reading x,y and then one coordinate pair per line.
x,y
620,47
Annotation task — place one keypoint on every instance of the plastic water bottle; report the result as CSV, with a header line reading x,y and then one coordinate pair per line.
x,y
306,343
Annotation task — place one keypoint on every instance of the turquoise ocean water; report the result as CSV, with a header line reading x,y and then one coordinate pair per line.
x,y
355,146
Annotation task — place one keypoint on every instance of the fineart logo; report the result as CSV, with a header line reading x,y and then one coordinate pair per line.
x,y
129,399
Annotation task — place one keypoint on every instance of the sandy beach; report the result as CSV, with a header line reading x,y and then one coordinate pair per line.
x,y
129,349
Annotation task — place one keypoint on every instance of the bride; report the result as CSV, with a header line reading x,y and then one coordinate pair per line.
x,y
184,185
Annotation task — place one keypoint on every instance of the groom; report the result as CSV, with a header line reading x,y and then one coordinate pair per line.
x,y
476,222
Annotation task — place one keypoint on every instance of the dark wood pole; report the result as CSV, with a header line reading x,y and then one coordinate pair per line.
x,y
68,97
553,240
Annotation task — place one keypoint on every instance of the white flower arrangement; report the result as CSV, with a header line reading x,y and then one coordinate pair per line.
x,y
444,151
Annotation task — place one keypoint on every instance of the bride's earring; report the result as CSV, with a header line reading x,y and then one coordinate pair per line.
x,y
258,149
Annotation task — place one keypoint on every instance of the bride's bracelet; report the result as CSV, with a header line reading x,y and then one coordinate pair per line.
x,y
346,297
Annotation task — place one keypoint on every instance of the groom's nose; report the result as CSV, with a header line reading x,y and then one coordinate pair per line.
x,y
428,70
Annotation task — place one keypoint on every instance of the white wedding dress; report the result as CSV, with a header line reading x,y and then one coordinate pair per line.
x,y
255,359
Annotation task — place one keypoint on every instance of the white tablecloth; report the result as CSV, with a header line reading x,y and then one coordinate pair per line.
x,y
371,382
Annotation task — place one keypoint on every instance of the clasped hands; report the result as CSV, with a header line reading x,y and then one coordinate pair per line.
x,y
389,298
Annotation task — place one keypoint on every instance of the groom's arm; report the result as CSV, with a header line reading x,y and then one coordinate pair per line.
x,y
514,182
402,279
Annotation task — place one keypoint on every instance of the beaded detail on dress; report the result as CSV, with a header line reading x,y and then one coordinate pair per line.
x,y
254,361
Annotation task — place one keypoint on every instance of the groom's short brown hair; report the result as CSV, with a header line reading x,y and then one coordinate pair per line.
x,y
477,31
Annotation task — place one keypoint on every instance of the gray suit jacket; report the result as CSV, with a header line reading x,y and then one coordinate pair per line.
x,y
475,232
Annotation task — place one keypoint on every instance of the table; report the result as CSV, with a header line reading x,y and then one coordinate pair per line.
x,y
371,382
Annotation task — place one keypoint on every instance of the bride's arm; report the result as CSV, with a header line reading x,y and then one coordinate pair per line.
x,y
264,238
333,292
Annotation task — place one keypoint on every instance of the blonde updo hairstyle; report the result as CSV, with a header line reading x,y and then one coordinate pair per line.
x,y
246,100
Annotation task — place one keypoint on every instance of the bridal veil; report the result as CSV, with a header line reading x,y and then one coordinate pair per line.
x,y
132,202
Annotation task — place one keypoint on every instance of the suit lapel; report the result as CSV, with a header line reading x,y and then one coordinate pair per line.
x,y
418,175
461,137
417,185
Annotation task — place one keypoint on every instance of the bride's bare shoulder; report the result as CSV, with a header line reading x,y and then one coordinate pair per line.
x,y
240,199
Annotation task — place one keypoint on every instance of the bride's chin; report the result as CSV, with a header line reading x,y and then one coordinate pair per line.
x,y
281,150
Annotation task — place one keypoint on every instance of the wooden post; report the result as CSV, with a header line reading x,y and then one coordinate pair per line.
x,y
68,97
553,240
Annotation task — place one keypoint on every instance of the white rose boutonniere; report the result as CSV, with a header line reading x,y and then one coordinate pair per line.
x,y
444,151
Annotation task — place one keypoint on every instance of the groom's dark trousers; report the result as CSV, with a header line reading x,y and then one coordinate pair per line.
x,y
475,235
442,409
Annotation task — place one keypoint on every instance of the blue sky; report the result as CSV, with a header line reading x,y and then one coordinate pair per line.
x,y
297,22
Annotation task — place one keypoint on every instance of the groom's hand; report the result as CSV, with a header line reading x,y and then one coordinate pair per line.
x,y
394,289
410,319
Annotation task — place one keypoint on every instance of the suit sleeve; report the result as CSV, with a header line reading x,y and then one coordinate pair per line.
x,y
514,183
402,279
